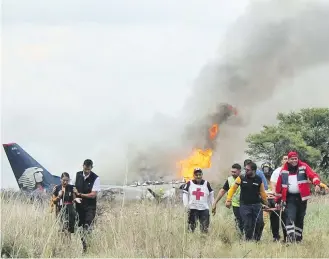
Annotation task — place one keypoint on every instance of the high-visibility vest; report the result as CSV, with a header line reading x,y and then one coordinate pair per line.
x,y
236,196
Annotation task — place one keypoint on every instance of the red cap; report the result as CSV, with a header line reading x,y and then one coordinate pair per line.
x,y
292,154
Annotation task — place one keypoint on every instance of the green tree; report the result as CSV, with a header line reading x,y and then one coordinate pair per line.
x,y
305,131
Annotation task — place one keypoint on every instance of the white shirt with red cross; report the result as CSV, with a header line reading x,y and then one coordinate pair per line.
x,y
198,196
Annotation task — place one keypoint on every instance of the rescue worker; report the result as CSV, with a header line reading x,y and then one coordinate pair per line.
x,y
258,172
267,170
293,191
197,197
235,172
64,198
281,212
252,193
87,185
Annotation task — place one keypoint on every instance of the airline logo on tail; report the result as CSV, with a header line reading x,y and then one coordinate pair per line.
x,y
29,174
30,177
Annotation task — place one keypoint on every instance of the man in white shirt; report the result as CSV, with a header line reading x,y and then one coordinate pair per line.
x,y
276,173
198,196
275,223
87,185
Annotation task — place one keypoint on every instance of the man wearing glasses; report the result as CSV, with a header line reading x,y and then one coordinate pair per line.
x,y
252,194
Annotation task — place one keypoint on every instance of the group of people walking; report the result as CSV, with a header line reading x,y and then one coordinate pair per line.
x,y
281,193
81,190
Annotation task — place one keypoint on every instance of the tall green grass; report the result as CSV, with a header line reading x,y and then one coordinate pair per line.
x,y
143,229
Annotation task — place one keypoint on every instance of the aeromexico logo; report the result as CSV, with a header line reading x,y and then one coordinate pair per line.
x,y
30,177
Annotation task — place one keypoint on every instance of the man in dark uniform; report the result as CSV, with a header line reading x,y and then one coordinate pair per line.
x,y
87,185
252,194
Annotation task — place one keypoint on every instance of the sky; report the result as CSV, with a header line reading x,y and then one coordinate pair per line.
x,y
80,77
103,79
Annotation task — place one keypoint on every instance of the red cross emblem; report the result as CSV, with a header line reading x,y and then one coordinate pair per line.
x,y
198,193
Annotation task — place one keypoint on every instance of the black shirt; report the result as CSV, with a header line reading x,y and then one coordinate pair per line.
x,y
250,189
68,194
187,186
226,186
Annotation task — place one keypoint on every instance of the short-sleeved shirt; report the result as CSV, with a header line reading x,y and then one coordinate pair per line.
x,y
226,186
275,175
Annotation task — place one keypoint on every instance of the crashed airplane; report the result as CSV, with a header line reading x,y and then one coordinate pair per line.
x,y
37,182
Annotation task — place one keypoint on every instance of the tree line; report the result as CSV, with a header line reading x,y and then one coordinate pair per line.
x,y
305,131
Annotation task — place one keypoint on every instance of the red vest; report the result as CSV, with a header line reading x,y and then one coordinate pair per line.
x,y
303,174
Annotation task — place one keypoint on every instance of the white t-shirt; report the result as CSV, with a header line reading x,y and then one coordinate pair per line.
x,y
293,184
275,175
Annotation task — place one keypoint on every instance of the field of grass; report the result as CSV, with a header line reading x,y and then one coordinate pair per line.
x,y
148,230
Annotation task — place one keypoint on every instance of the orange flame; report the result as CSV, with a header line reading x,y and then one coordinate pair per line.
x,y
213,131
199,158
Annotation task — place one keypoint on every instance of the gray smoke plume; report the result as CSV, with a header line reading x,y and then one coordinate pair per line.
x,y
272,42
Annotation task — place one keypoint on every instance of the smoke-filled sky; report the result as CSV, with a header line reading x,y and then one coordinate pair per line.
x,y
79,75
81,79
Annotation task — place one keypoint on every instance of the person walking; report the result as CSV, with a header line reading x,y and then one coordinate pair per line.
x,y
252,194
87,185
64,199
275,223
197,198
292,192
235,172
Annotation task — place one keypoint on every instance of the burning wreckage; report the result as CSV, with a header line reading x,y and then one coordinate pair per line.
x,y
200,157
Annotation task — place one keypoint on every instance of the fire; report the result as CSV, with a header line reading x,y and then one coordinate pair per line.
x,y
213,131
199,158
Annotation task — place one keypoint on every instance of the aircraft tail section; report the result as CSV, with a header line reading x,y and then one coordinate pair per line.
x,y
28,172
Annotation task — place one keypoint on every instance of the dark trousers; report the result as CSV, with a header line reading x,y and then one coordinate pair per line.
x,y
253,222
67,216
238,219
198,215
295,213
86,216
275,224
